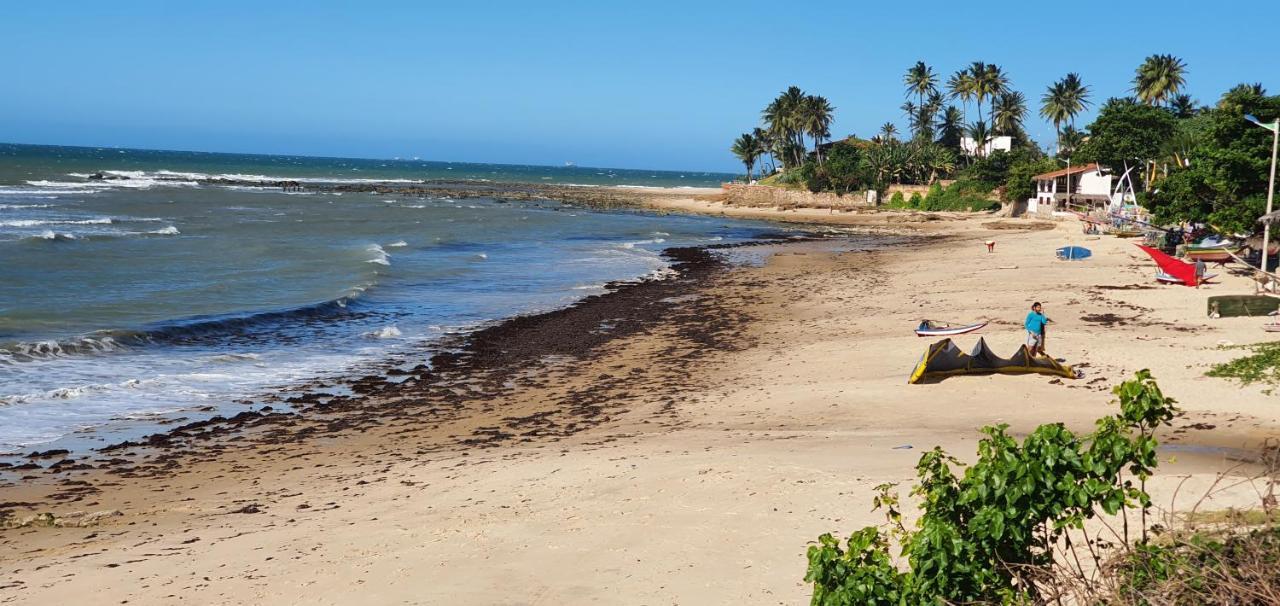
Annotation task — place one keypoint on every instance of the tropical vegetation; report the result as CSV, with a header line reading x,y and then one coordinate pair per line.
x,y
1185,161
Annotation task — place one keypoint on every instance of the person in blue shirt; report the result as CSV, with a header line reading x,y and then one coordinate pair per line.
x,y
1035,329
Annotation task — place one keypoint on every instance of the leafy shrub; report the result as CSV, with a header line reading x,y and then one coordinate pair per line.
x,y
984,536
960,196
1262,366
897,201
915,200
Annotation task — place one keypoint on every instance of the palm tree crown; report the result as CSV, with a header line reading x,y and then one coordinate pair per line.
x,y
1159,78
960,86
815,118
920,81
747,148
1063,101
1008,112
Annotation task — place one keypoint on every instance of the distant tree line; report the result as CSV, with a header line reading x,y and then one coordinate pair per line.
x,y
1187,162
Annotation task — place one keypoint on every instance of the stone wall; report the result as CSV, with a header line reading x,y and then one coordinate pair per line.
x,y
907,190
766,196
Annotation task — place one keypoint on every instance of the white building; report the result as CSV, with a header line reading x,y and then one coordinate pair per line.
x,y
968,145
1090,186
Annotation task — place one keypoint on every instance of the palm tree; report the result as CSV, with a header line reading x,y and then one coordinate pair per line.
x,y
782,119
960,86
1008,111
997,83
981,135
920,81
1183,106
951,128
988,82
815,119
1062,101
888,132
765,144
1158,78
747,149
910,111
932,161
1069,140
1076,95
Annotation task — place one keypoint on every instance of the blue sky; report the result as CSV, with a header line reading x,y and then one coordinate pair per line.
x,y
662,85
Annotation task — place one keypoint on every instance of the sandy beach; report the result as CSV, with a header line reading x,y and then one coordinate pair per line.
x,y
670,443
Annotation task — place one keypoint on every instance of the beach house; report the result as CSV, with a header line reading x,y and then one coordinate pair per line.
x,y
994,144
1084,186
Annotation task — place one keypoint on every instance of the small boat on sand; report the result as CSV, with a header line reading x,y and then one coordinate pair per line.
x,y
930,328
1165,278
1212,254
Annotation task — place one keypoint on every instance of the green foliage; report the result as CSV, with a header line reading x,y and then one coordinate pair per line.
x,y
1018,182
1229,162
1126,131
897,200
1207,567
994,168
916,200
964,195
843,166
981,535
1262,366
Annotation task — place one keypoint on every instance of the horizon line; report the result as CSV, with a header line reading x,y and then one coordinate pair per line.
x,y
394,159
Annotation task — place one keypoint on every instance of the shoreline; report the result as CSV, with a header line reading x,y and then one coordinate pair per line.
x,y
687,458
465,357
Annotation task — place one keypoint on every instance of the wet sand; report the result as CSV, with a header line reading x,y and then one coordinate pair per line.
x,y
672,442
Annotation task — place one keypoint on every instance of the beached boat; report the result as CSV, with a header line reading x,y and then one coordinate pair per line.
x,y
1073,253
929,328
1127,233
1234,306
1212,254
1172,271
1165,278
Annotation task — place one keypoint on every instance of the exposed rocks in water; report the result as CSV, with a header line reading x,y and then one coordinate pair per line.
x,y
48,454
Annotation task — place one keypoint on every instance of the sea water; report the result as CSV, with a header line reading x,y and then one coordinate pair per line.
x,y
126,299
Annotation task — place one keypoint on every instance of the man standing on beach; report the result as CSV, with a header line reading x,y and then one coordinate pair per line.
x,y
1200,271
1035,329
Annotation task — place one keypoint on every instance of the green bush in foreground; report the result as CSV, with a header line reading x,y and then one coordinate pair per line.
x,y
986,535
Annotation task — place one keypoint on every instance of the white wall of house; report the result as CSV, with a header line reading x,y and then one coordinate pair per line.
x,y
1092,183
995,144
1087,183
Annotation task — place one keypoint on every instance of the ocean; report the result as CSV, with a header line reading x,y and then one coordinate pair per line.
x,y
126,301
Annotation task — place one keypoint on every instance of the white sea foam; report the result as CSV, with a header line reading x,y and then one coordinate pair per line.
x,y
40,222
386,332
166,231
398,244
380,256
631,245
